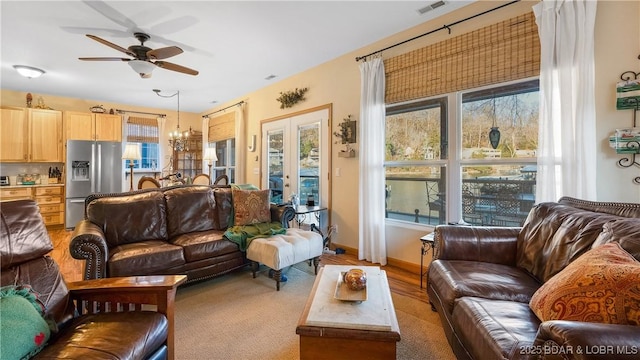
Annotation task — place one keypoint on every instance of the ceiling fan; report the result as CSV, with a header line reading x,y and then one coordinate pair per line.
x,y
144,59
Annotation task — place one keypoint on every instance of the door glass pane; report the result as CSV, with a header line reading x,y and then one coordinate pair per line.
x,y
309,164
275,164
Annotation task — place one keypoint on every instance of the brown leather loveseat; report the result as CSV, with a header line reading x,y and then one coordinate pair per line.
x,y
488,284
94,319
172,230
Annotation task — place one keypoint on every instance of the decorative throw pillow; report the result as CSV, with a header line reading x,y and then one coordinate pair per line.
x,y
251,206
602,285
24,330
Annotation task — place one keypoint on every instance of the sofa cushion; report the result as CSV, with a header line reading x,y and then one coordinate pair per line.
x,y
554,235
116,335
454,279
144,258
495,329
251,206
131,218
603,286
204,244
623,231
190,208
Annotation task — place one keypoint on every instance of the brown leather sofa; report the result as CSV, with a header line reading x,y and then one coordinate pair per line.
x,y
172,230
482,280
92,318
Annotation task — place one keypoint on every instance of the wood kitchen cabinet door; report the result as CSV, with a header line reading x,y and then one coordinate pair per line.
x,y
14,129
45,135
108,127
79,125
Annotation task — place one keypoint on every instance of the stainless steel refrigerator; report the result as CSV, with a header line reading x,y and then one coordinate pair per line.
x,y
92,167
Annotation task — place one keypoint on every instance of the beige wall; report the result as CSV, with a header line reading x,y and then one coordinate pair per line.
x,y
338,82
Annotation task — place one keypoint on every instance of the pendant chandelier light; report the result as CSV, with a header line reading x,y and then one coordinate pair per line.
x,y
177,139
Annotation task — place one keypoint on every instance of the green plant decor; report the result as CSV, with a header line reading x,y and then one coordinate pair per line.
x,y
289,98
346,133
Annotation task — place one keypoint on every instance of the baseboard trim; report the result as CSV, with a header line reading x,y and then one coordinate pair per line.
x,y
401,264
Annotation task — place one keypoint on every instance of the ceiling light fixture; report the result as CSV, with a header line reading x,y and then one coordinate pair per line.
x,y
144,68
28,71
177,140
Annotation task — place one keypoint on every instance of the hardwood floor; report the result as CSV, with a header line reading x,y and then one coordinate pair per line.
x,y
401,281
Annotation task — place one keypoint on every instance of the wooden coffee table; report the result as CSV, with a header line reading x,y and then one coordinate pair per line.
x,y
331,328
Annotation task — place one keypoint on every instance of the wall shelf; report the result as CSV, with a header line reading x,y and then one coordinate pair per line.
x,y
629,144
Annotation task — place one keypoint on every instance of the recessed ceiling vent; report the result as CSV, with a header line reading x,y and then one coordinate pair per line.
x,y
430,7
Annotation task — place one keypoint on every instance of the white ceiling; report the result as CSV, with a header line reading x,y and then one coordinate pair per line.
x,y
234,45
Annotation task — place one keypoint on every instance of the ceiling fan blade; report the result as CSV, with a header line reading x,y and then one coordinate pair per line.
x,y
175,67
111,45
164,53
103,59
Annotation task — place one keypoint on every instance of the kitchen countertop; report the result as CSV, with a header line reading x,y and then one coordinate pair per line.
x,y
25,186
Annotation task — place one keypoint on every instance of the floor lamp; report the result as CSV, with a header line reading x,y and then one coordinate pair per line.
x,y
131,153
210,156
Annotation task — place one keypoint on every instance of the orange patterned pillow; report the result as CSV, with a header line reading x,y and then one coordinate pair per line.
x,y
251,206
602,286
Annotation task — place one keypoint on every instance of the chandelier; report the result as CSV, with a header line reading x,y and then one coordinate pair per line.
x,y
178,141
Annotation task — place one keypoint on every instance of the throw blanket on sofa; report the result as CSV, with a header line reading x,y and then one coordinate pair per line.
x,y
243,234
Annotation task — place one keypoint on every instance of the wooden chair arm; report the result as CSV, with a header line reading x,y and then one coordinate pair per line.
x,y
123,294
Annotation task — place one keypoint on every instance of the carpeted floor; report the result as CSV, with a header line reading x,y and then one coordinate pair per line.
x,y
238,317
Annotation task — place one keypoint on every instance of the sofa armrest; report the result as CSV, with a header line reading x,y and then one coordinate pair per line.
x,y
585,340
123,294
282,214
476,243
88,243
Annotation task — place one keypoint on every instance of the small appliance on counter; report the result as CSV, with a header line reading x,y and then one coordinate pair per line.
x,y
4,181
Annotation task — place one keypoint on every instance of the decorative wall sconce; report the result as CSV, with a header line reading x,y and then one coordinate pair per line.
x,y
252,146
346,135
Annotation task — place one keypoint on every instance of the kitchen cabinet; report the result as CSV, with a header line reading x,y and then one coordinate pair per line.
x,y
14,131
92,126
31,135
50,200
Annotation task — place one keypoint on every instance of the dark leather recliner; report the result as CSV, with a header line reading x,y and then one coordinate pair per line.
x,y
95,319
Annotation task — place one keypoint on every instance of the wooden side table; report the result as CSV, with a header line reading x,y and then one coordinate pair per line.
x,y
427,244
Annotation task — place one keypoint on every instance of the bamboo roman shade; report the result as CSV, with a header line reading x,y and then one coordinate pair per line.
x,y
141,129
506,51
222,127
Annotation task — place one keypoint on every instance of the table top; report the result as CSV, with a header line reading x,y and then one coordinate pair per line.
x,y
428,238
323,311
304,209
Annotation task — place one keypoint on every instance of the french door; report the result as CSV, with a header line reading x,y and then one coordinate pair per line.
x,y
296,154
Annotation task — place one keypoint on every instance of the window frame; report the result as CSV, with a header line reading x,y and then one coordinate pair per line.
x,y
451,145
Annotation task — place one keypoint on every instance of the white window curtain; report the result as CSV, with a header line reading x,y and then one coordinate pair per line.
x,y
241,145
372,242
205,142
163,150
567,139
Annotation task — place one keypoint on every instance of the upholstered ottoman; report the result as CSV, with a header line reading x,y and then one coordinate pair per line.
x,y
279,251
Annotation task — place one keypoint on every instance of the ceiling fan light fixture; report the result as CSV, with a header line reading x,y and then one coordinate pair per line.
x,y
29,71
144,68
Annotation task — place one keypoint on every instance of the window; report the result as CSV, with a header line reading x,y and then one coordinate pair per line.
x,y
498,184
226,164
429,182
415,159
144,131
